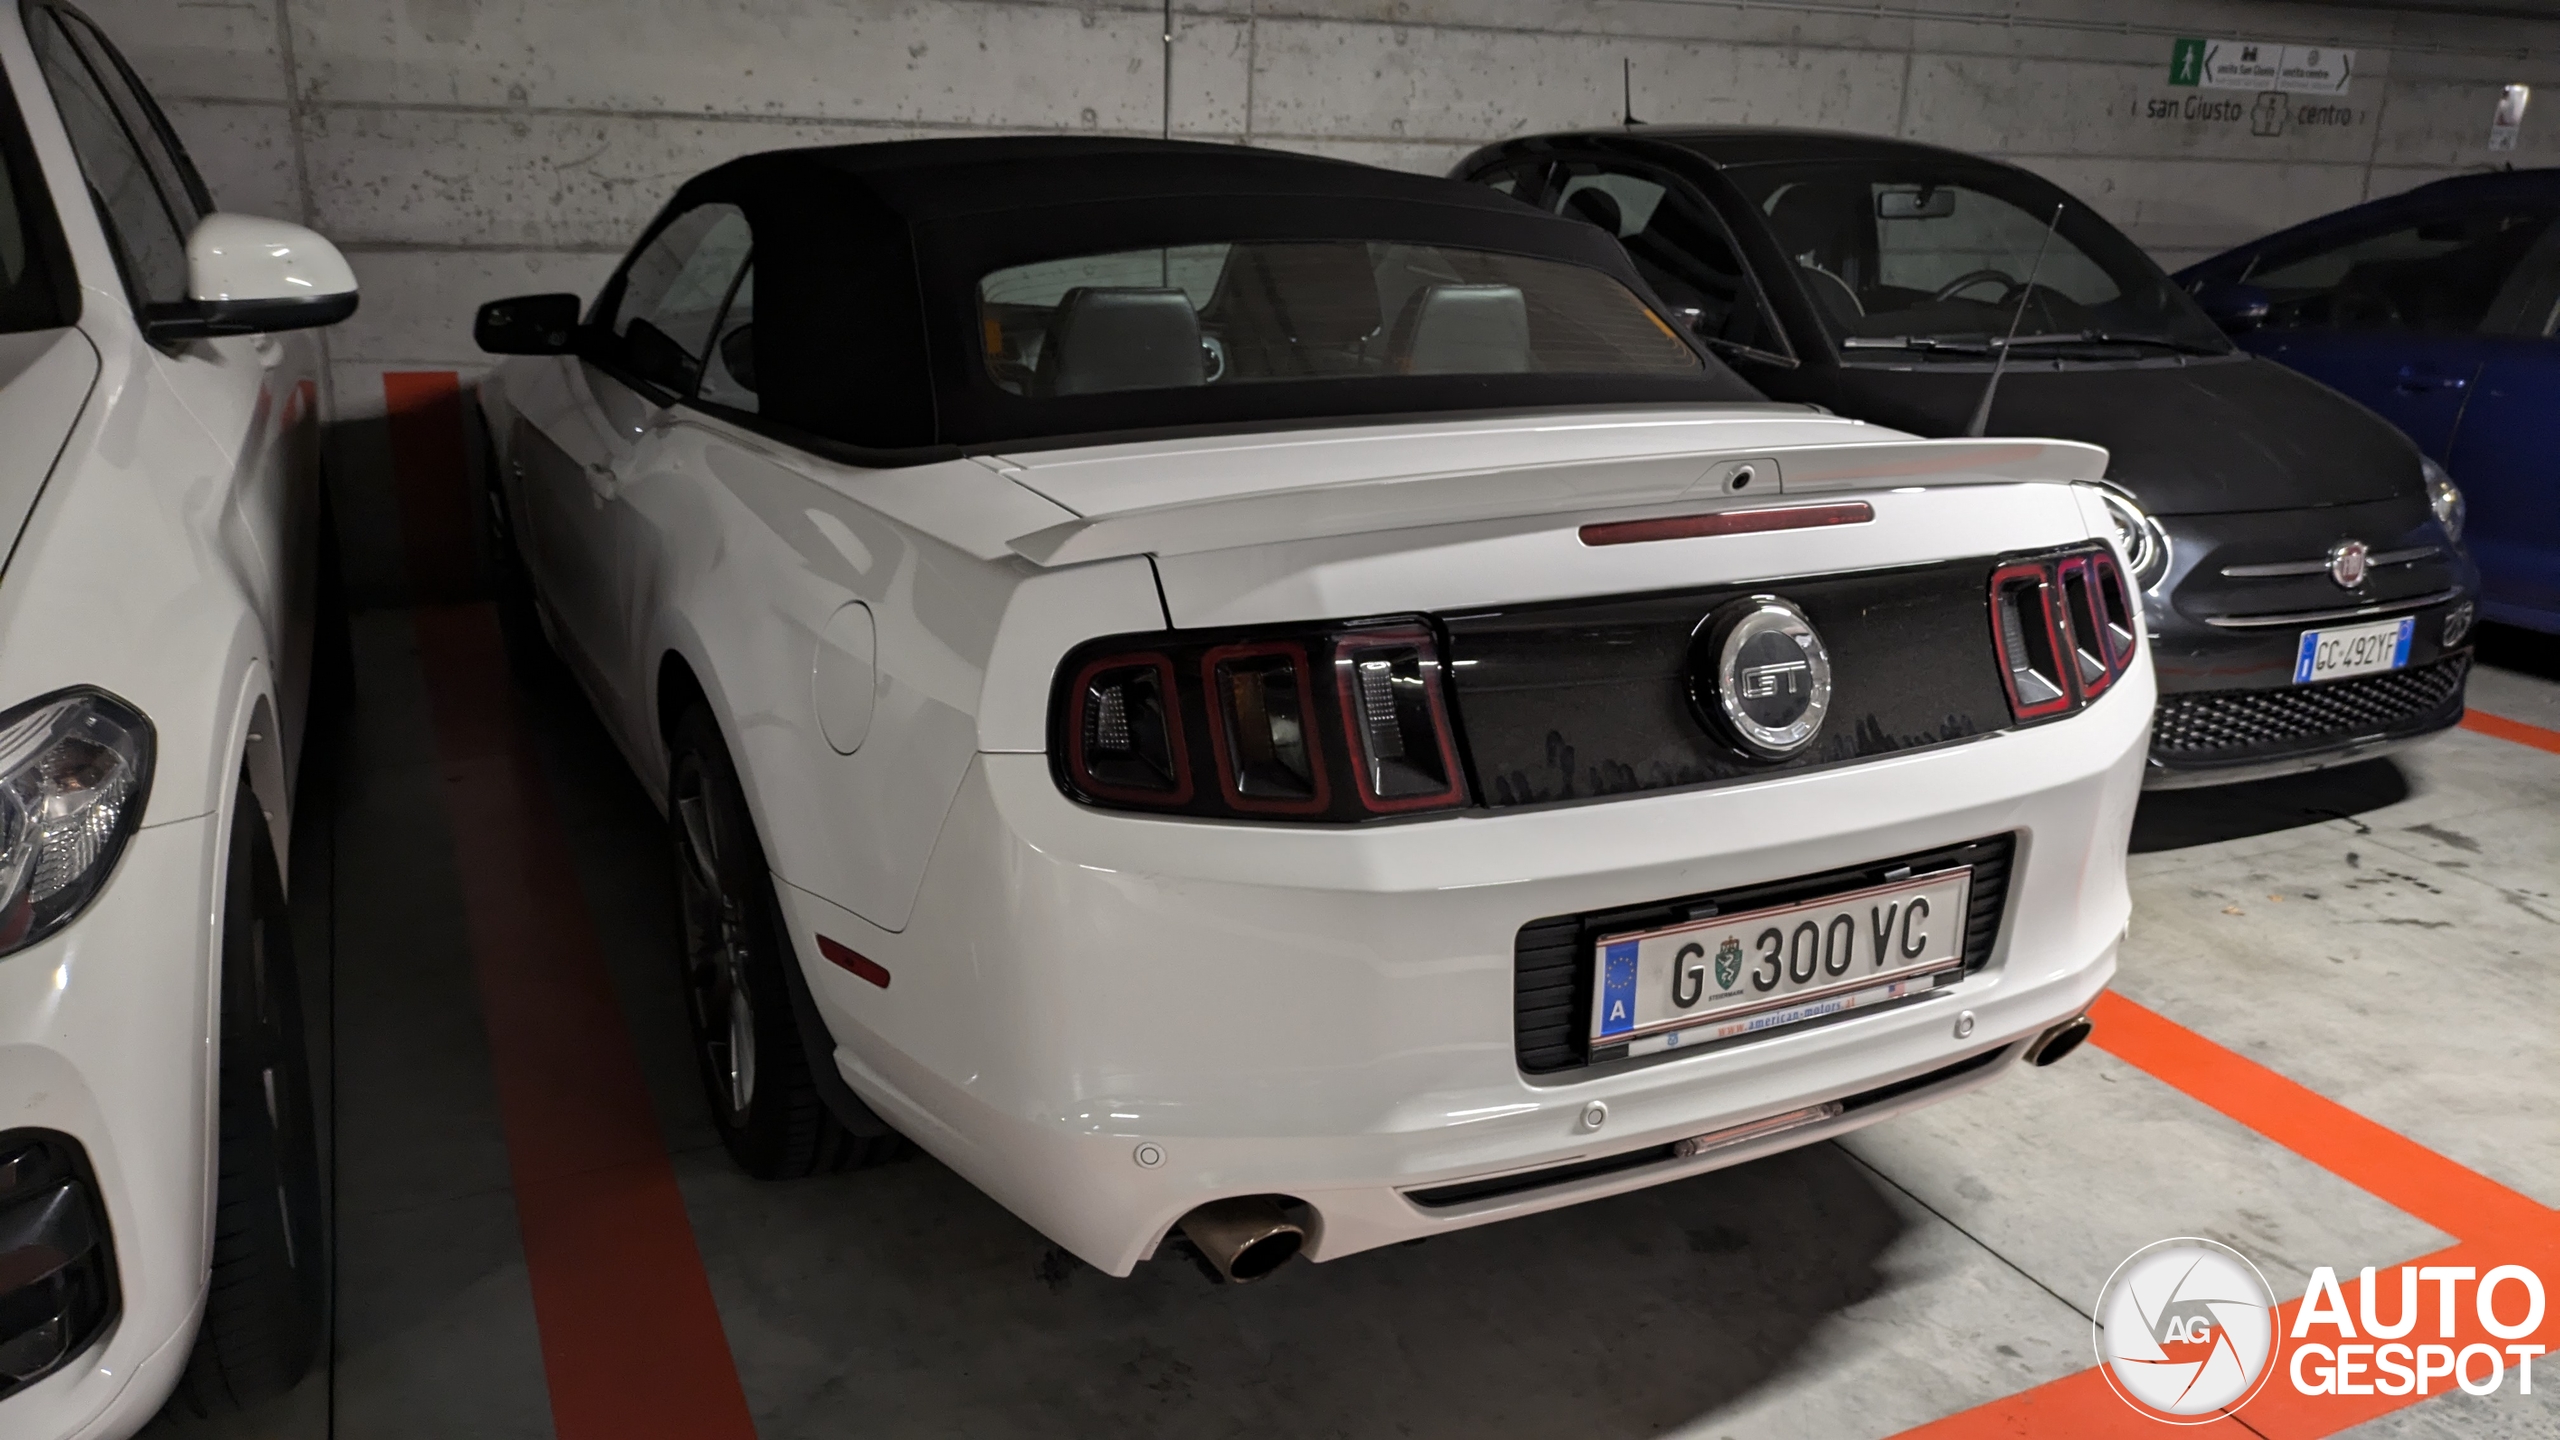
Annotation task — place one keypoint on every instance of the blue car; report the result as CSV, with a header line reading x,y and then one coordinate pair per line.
x,y
2437,309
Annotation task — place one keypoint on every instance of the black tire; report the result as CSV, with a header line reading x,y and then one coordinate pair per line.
x,y
270,1281
756,1072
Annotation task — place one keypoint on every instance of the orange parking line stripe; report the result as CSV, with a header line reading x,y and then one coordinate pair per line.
x,y
2079,1406
423,415
632,1344
2381,1162
2500,727
2498,1226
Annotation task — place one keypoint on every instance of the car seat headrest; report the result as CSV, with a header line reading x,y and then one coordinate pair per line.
x,y
1465,330
1116,338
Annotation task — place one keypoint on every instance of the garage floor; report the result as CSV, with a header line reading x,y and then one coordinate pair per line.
x,y
487,924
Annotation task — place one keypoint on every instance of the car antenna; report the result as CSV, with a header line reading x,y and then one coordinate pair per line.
x,y
1627,93
2000,362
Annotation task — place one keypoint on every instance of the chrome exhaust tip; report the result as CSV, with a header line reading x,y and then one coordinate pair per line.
x,y
2059,1041
1245,1238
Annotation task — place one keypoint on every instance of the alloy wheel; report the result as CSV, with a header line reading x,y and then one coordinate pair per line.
x,y
716,950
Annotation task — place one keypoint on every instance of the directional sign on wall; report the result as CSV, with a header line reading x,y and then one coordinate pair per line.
x,y
2260,65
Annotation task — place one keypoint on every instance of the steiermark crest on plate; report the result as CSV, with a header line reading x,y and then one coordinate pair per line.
x,y
1728,963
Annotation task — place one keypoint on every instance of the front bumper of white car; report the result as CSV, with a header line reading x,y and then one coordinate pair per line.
x,y
102,1041
1106,1020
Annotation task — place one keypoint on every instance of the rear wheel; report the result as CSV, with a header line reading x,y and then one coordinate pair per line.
x,y
270,1248
756,1072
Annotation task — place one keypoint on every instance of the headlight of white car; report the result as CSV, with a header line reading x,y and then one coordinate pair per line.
x,y
75,768
2146,545
2444,497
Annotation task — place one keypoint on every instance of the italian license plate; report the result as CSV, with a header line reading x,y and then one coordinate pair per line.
x,y
2355,650
1728,975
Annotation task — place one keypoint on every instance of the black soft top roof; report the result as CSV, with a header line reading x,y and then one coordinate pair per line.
x,y
929,180
868,257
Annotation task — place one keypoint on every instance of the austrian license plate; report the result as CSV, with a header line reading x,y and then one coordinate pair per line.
x,y
1727,975
2354,650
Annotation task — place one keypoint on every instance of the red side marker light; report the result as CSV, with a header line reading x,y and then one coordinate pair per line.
x,y
1729,522
862,965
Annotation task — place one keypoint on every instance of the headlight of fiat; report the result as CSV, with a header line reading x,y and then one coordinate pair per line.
x,y
2146,545
2444,497
75,768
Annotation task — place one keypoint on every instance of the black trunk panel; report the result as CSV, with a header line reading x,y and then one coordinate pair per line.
x,y
1590,698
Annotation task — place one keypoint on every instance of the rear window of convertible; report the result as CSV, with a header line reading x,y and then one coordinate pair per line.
x,y
1253,312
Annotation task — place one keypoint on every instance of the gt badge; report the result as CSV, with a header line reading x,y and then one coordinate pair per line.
x,y
1758,676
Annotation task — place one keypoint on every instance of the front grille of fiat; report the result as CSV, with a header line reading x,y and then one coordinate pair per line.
x,y
2200,724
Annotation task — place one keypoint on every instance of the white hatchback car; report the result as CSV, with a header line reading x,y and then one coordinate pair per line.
x,y
1242,696
159,1188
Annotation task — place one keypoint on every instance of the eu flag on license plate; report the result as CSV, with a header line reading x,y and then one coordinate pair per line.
x,y
1618,988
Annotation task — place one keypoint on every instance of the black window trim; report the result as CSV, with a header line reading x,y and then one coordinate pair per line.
x,y
1670,179
720,322
599,345
1791,306
198,194
47,246
64,15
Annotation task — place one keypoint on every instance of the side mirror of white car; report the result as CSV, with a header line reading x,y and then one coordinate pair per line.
x,y
247,275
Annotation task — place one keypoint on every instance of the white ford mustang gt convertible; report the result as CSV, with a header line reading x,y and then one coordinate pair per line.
x,y
160,1218
1243,697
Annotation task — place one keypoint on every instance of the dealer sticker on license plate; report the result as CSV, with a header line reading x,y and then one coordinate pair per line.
x,y
1758,969
2355,650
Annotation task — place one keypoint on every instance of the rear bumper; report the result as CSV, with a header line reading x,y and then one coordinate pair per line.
x,y
1106,1020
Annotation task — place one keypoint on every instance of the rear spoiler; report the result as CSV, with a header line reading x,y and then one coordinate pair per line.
x,y
1571,487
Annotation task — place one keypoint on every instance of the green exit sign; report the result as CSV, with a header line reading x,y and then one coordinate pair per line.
x,y
2186,62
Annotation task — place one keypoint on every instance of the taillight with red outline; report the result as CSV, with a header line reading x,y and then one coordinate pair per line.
x,y
1270,759
1397,720
1125,742
2115,622
2063,628
2030,642
2083,635
1252,727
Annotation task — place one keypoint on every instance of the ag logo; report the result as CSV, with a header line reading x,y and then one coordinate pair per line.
x,y
1728,963
2185,1331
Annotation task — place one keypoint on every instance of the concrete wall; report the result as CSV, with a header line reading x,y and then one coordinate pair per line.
x,y
465,149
